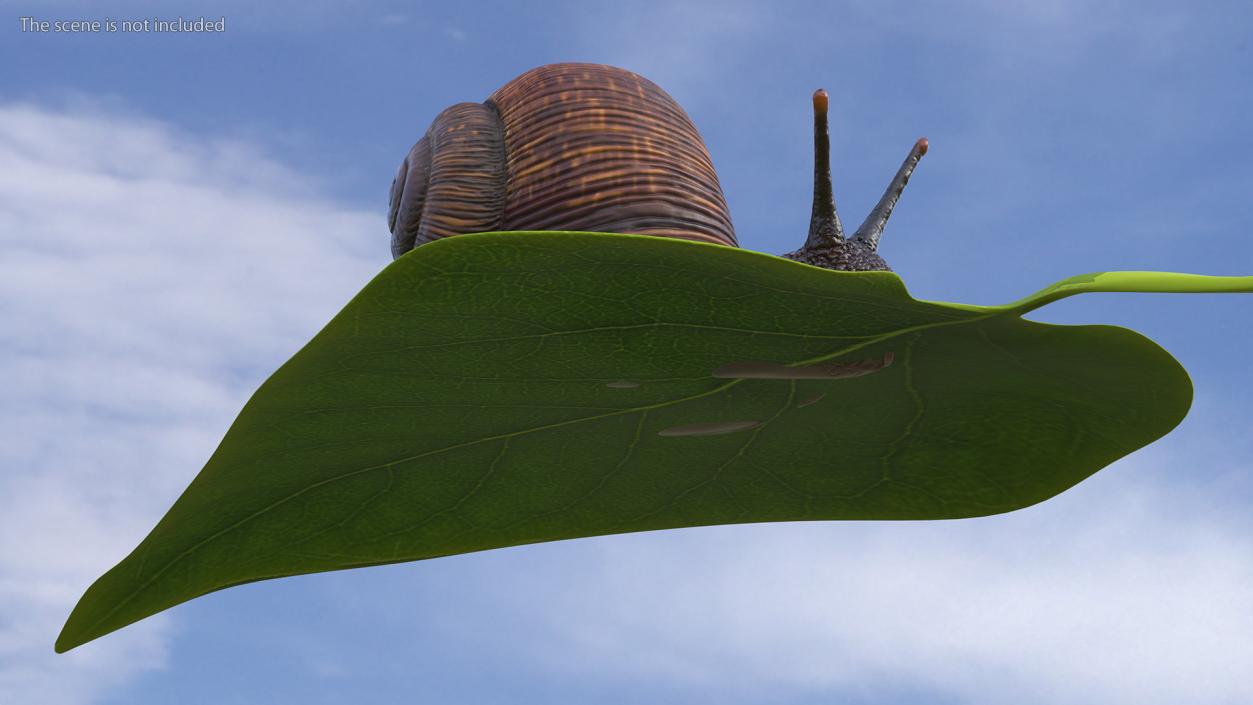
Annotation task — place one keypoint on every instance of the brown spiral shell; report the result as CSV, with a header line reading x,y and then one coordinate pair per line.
x,y
561,147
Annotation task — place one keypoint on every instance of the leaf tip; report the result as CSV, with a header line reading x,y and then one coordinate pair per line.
x,y
72,634
67,640
85,622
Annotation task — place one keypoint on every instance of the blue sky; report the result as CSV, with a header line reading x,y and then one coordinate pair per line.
x,y
180,213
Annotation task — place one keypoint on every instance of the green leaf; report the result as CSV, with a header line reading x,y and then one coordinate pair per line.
x,y
510,388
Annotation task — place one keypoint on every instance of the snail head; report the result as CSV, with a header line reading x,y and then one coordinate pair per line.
x,y
826,246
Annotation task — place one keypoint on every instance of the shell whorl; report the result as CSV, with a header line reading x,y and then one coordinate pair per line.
x,y
561,147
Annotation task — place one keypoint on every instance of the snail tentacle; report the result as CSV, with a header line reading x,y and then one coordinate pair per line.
x,y
872,229
825,229
825,245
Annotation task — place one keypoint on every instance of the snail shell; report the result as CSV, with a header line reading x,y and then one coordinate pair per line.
x,y
562,147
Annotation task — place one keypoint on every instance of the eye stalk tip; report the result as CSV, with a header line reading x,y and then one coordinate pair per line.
x,y
820,100
872,229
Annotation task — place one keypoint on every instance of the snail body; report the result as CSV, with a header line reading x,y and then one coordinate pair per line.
x,y
589,147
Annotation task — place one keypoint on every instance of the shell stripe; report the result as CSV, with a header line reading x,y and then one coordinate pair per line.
x,y
562,147
409,196
465,193
599,148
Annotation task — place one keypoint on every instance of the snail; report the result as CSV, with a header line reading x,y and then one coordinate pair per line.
x,y
588,147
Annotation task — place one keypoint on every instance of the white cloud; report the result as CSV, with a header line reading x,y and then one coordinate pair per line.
x,y
1127,589
150,281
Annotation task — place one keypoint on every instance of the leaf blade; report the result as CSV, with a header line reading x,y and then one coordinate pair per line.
x,y
478,394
